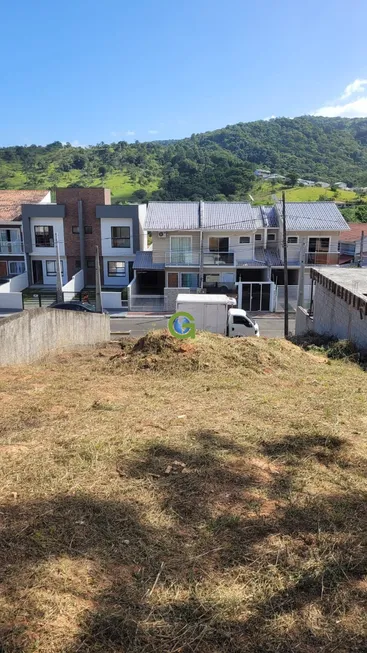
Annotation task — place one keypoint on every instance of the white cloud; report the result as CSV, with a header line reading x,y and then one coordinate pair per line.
x,y
269,117
130,133
356,109
114,134
153,131
355,87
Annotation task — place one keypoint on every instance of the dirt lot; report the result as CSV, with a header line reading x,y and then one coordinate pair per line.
x,y
184,498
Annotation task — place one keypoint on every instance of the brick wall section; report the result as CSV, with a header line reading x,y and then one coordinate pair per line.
x,y
90,198
334,316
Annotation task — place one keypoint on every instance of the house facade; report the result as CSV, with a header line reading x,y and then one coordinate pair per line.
x,y
233,247
12,259
350,244
80,220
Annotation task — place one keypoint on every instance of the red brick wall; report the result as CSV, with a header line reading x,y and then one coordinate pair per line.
x,y
90,198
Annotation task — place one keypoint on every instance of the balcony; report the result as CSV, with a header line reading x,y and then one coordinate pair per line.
x,y
322,258
11,247
218,258
186,258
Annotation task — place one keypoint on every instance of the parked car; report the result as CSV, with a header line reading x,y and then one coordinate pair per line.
x,y
75,306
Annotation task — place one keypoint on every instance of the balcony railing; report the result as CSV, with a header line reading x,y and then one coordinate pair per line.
x,y
182,258
218,258
120,242
11,247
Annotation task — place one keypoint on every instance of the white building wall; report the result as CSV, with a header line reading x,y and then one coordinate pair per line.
x,y
332,315
58,226
107,249
116,281
50,280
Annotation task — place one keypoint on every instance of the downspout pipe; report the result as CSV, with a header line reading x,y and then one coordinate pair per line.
x,y
201,254
82,240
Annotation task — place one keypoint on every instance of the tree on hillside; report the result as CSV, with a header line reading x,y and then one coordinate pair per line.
x,y
292,178
140,195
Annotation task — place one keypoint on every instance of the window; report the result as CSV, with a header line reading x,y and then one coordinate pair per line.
x,y
271,237
211,278
172,279
239,319
292,240
16,267
116,268
318,245
245,239
218,244
91,263
75,230
87,229
120,237
44,236
258,237
51,268
189,280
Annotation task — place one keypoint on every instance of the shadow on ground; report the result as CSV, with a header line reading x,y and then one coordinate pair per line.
x,y
152,598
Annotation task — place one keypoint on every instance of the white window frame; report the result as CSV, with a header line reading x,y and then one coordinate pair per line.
x,y
272,239
258,238
171,251
17,263
53,274
291,243
249,241
116,276
319,238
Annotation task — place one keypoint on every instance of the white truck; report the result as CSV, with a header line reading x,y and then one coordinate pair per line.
x,y
216,313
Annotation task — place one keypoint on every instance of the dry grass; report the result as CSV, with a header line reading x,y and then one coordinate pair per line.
x,y
184,498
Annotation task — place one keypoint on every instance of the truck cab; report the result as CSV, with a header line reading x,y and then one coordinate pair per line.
x,y
240,325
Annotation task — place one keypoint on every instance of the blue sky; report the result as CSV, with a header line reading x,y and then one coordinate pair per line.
x,y
85,71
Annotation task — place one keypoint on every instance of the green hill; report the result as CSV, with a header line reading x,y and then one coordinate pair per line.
x,y
215,165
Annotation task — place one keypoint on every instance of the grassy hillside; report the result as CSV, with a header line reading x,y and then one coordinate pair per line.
x,y
215,165
151,501
262,193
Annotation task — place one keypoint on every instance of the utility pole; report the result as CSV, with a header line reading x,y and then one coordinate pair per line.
x,y
285,257
98,284
201,253
301,281
59,293
360,261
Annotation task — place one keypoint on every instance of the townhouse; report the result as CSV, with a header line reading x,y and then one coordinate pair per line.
x,y
233,247
80,220
12,260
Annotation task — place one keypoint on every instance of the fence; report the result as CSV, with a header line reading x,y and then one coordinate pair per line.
x,y
10,292
292,298
74,286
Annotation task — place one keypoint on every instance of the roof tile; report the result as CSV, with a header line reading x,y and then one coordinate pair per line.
x,y
11,202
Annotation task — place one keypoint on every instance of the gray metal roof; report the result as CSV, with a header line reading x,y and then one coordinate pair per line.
x,y
144,261
233,216
313,216
172,216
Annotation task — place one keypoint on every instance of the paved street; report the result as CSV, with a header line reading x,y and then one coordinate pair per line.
x,y
271,327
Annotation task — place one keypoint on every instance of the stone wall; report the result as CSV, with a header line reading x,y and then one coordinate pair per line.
x,y
33,334
170,296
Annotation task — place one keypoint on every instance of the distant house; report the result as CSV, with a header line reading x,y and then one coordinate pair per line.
x,y
342,185
306,182
261,173
274,176
350,244
322,184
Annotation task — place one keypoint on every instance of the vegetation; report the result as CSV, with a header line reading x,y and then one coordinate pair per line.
x,y
151,501
263,191
215,165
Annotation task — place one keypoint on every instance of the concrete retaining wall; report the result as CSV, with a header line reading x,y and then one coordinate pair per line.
x,y
111,300
15,284
334,316
304,323
33,334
